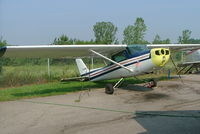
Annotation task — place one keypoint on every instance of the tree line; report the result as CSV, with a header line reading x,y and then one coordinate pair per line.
x,y
105,33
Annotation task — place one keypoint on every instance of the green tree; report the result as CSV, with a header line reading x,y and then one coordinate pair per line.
x,y
157,40
129,35
79,42
2,43
184,39
134,34
194,41
104,32
63,40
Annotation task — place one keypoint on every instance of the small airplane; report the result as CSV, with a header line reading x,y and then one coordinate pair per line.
x,y
125,60
191,61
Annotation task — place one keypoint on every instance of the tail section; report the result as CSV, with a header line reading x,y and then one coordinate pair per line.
x,y
81,66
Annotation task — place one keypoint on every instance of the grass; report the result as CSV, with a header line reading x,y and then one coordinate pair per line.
x,y
21,75
58,88
28,74
39,90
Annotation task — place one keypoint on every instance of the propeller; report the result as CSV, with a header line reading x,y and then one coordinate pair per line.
x,y
176,68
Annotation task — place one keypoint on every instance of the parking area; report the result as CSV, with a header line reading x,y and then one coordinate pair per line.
x,y
172,107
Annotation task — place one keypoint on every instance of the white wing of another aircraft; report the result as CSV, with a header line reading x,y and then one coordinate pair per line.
x,y
176,47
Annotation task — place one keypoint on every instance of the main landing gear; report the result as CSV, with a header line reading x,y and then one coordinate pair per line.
x,y
109,89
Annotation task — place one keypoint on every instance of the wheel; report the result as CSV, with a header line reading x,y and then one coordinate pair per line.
x,y
109,89
153,83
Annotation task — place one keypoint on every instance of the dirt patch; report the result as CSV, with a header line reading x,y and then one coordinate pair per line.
x,y
145,97
173,86
168,85
156,96
197,91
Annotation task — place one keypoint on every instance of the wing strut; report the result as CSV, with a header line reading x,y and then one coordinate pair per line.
x,y
106,58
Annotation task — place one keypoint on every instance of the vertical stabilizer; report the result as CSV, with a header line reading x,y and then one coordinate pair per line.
x,y
81,66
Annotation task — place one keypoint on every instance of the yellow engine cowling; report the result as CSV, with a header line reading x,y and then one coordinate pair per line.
x,y
160,56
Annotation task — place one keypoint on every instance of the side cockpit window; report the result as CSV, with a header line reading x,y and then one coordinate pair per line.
x,y
119,56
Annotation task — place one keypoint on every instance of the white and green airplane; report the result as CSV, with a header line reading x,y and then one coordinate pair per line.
x,y
125,60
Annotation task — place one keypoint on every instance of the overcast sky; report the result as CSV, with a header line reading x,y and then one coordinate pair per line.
x,y
24,22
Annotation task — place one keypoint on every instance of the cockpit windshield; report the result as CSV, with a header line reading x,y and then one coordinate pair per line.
x,y
133,49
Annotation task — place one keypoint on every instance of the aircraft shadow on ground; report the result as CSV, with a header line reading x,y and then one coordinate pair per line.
x,y
133,87
169,122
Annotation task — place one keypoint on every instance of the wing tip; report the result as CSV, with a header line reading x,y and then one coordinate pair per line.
x,y
2,51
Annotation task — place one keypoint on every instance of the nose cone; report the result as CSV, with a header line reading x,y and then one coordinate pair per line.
x,y
160,56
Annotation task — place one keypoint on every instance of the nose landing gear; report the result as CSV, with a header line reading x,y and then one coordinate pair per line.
x,y
151,83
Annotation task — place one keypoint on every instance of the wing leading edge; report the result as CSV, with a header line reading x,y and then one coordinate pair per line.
x,y
58,51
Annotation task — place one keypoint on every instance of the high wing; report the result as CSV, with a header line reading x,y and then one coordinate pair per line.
x,y
175,47
78,51
58,51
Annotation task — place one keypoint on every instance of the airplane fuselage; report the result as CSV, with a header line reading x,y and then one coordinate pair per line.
x,y
141,62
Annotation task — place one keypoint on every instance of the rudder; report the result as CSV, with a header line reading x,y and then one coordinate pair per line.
x,y
81,66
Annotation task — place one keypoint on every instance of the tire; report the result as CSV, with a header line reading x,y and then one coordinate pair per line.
x,y
109,89
153,83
